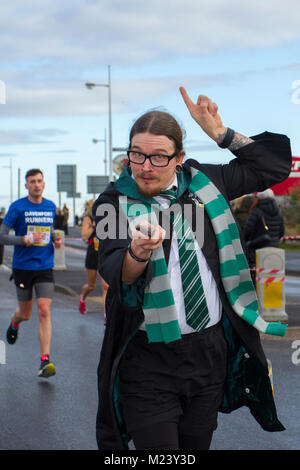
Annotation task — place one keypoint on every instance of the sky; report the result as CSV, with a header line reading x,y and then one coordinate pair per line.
x,y
245,57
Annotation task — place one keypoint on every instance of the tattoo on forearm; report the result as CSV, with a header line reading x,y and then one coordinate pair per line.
x,y
239,141
221,136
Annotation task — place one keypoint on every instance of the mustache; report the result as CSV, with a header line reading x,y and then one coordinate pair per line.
x,y
147,175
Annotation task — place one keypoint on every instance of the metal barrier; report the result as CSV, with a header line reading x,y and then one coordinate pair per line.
x,y
291,237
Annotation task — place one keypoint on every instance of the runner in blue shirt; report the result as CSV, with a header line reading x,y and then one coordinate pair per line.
x,y
32,218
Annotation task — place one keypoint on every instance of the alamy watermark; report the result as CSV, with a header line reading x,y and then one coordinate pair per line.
x,y
2,92
296,93
2,352
115,226
296,354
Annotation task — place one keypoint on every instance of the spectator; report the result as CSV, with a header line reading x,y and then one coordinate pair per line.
x,y
66,214
182,338
242,209
265,225
59,220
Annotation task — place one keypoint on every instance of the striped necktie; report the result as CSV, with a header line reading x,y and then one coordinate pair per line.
x,y
196,310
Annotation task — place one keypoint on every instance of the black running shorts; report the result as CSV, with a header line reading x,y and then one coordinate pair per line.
x,y
91,259
42,281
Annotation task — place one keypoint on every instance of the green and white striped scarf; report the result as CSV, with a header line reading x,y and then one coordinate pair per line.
x,y
161,317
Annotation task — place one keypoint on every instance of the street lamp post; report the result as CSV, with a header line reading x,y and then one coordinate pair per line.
x,y
19,183
105,149
11,178
90,86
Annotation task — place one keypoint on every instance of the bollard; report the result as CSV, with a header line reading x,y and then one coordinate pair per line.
x,y
2,353
270,283
59,254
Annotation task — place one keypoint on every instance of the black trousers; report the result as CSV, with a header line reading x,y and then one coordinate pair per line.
x,y
171,393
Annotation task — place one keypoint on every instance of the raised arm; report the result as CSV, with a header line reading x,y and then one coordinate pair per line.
x,y
205,113
262,160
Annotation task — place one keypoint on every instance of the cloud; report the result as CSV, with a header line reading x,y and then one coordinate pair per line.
x,y
3,154
62,151
193,146
133,32
29,136
72,98
46,52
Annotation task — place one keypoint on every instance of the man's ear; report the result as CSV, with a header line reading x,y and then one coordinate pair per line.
x,y
181,156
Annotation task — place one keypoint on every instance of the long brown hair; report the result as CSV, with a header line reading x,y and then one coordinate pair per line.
x,y
159,123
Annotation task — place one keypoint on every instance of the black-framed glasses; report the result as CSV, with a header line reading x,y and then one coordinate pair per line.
x,y
139,158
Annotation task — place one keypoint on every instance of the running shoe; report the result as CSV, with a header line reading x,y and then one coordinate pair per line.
x,y
11,334
82,305
47,369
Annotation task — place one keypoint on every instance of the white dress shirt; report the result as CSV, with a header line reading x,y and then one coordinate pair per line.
x,y
209,284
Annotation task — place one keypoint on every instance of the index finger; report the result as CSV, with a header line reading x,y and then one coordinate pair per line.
x,y
189,103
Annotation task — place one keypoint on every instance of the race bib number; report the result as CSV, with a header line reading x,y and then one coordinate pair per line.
x,y
96,243
46,234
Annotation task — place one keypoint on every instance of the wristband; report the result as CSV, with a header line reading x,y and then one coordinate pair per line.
x,y
28,240
136,258
227,139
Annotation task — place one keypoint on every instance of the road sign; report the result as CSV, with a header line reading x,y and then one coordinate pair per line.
x,y
73,194
96,184
119,162
66,180
285,186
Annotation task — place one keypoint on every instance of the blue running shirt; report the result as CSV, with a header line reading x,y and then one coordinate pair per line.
x,y
24,216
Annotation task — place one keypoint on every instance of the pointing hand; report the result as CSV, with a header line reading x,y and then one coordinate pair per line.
x,y
205,113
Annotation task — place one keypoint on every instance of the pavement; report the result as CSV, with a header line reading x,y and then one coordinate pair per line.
x,y
69,401
70,281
